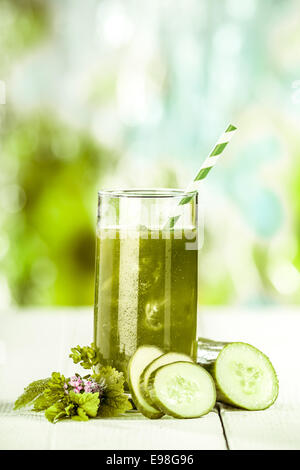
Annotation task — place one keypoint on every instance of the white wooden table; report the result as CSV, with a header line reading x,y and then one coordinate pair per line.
x,y
33,343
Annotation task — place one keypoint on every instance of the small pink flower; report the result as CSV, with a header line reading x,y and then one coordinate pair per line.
x,y
73,381
76,382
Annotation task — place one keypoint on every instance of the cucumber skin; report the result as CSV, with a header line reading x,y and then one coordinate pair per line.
x,y
162,407
146,393
209,362
140,408
208,351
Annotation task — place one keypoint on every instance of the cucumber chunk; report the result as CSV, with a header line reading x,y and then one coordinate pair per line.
x,y
140,359
208,351
162,360
182,390
245,377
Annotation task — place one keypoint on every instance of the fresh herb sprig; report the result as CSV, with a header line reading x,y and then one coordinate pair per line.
x,y
98,394
87,356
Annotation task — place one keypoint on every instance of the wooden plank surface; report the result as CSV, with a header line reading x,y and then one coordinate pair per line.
x,y
276,333
35,343
132,431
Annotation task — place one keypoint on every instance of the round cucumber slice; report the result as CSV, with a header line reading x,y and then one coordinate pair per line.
x,y
162,360
140,359
245,377
182,390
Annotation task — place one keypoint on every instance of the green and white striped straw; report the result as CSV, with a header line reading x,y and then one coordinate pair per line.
x,y
207,165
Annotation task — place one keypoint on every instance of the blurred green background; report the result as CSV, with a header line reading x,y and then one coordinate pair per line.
x,y
108,93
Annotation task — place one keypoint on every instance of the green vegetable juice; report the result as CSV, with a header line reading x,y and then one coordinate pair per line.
x,y
146,292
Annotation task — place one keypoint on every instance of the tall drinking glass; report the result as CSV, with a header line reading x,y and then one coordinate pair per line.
x,y
146,274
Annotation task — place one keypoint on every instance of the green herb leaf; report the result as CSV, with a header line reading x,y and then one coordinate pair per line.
x,y
70,409
55,412
111,376
87,403
31,392
42,403
114,401
55,388
81,416
87,356
114,404
53,392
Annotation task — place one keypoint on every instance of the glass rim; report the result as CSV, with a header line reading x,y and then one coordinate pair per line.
x,y
150,193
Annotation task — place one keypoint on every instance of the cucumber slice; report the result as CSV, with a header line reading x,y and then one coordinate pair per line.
x,y
245,377
162,360
182,390
140,359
